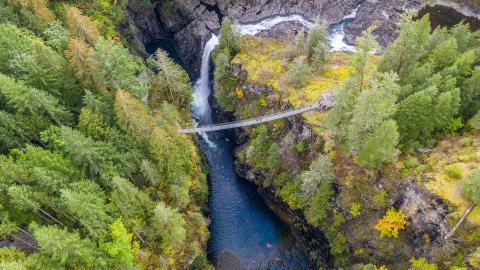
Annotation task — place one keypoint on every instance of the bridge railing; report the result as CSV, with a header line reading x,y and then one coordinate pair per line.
x,y
259,118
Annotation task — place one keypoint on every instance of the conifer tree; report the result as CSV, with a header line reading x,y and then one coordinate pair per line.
x,y
320,171
374,105
379,147
299,73
171,83
410,46
31,101
317,44
81,26
229,38
415,119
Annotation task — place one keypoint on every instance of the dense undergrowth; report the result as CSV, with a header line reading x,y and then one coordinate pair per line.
x,y
93,174
400,131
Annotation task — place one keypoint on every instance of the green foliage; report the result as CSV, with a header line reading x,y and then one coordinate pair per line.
x,y
86,202
76,176
171,83
339,244
355,209
320,172
455,172
381,198
471,187
229,39
410,46
60,249
422,264
262,151
57,37
300,147
319,204
317,37
374,105
117,68
13,132
225,82
31,101
171,226
299,73
317,46
91,123
379,147
414,118
121,248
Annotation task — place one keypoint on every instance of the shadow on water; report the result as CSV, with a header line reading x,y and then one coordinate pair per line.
x,y
447,16
245,233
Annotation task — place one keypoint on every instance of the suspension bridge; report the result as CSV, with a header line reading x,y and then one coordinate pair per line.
x,y
325,102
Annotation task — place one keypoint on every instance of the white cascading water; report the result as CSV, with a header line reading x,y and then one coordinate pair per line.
x,y
202,87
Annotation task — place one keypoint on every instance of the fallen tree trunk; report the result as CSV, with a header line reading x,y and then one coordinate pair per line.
x,y
462,219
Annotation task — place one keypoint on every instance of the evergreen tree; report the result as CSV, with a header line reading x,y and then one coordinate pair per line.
x,y
446,108
317,45
171,83
379,147
471,187
470,91
171,226
60,249
86,202
91,124
121,248
81,26
225,83
415,119
57,37
321,170
80,57
229,38
409,47
374,105
117,69
31,101
299,73
300,43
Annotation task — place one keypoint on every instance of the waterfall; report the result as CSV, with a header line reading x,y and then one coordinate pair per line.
x,y
202,88
242,225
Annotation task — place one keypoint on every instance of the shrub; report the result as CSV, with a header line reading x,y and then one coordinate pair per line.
x,y
300,147
391,223
355,209
422,264
299,73
381,198
455,172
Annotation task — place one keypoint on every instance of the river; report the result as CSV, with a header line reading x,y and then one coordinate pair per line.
x,y
245,234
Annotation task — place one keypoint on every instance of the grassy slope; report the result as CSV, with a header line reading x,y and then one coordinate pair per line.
x,y
266,61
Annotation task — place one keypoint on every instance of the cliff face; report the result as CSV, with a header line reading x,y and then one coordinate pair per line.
x,y
426,213
189,23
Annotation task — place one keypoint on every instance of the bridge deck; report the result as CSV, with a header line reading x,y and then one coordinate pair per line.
x,y
324,103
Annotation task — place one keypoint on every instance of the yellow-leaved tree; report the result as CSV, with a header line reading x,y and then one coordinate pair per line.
x,y
392,223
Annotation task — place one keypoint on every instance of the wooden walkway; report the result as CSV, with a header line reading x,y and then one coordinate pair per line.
x,y
325,102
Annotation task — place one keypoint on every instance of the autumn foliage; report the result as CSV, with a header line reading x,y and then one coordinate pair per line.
x,y
393,222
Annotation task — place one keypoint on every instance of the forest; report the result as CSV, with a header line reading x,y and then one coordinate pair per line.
x,y
93,174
